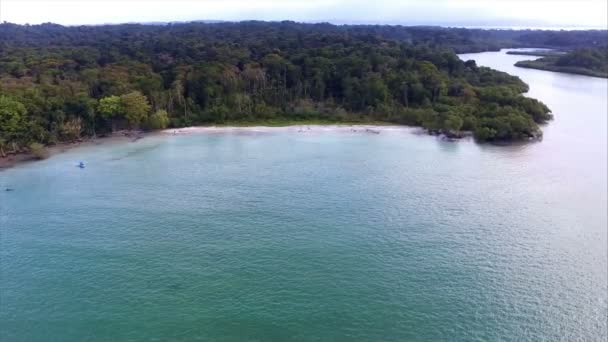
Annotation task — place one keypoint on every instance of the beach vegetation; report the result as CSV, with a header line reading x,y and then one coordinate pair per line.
x,y
62,83
38,150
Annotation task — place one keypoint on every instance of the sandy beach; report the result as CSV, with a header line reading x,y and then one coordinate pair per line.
x,y
368,129
128,136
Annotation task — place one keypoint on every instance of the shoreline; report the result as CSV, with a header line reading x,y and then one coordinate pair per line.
x,y
132,136
296,128
21,158
536,65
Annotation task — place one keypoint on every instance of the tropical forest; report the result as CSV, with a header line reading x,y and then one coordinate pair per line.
x,y
61,83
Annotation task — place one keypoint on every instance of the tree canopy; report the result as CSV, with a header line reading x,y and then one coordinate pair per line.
x,y
590,62
57,83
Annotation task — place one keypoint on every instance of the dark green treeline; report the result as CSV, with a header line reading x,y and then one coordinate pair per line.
x,y
61,83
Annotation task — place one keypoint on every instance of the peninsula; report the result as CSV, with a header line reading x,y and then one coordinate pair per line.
x,y
589,62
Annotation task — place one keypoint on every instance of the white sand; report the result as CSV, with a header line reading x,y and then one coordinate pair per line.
x,y
367,129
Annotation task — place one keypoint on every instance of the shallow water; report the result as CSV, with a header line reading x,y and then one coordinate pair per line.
x,y
318,235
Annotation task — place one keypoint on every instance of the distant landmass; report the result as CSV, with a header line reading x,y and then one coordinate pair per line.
x,y
537,52
589,62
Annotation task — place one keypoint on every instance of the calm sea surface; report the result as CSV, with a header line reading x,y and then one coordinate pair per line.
x,y
317,236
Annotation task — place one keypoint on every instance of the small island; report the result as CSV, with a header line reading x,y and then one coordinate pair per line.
x,y
538,53
588,62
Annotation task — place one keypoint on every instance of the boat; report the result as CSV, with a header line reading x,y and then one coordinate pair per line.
x,y
81,165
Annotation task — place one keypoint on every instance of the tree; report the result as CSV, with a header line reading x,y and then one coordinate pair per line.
x,y
471,64
469,123
110,107
71,129
136,108
83,108
377,92
485,133
12,124
158,120
431,78
453,123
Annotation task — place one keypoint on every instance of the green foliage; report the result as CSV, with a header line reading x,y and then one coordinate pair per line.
x,y
590,62
136,108
38,150
12,123
60,83
71,129
158,120
585,58
485,133
12,113
110,107
469,123
453,123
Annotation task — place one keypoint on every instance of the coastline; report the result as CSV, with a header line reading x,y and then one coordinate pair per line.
x,y
537,65
298,128
21,158
536,53
132,136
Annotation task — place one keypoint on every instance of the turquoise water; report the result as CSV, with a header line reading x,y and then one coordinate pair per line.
x,y
319,236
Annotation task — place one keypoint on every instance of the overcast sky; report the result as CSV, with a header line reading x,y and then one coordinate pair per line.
x,y
493,13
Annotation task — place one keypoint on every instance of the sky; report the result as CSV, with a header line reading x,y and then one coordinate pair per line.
x,y
468,13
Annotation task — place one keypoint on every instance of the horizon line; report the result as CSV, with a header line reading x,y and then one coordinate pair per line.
x,y
335,23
